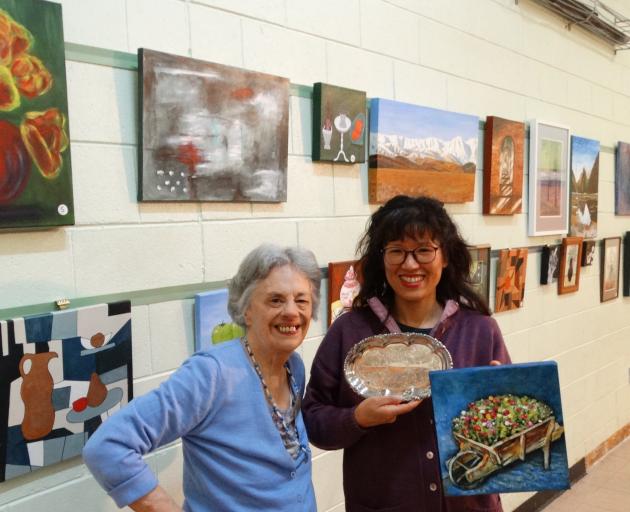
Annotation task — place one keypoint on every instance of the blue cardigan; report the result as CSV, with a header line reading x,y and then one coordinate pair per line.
x,y
234,457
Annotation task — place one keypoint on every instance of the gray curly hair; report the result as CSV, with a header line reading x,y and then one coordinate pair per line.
x,y
258,264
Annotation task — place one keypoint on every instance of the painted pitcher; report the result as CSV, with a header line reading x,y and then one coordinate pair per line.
x,y
36,392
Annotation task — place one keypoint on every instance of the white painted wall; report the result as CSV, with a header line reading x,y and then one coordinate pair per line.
x,y
482,57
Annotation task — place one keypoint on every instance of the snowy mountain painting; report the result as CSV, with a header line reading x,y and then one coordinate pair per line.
x,y
418,150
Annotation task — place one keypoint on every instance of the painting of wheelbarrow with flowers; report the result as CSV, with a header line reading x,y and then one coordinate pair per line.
x,y
35,176
500,429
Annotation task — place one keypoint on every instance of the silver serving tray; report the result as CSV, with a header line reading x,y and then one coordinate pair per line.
x,y
395,365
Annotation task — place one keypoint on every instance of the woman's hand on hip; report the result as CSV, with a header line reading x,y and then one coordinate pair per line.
x,y
378,410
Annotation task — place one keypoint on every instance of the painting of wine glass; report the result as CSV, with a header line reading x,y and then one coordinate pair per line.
x,y
570,265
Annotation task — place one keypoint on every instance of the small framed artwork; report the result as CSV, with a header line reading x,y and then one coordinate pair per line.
x,y
609,278
500,429
213,324
548,179
510,291
584,187
343,287
339,124
503,166
588,252
626,264
622,179
570,264
480,270
550,264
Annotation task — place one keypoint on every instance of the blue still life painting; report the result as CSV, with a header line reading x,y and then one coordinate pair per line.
x,y
213,323
500,429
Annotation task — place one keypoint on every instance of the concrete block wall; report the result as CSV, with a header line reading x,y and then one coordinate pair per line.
x,y
488,57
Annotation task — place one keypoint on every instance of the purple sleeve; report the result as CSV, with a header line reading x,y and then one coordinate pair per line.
x,y
499,349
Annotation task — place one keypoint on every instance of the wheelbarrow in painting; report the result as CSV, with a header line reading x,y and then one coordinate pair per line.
x,y
500,429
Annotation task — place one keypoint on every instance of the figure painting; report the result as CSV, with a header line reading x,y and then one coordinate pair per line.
x,y
584,187
35,173
339,124
480,270
570,265
61,375
609,278
343,287
500,429
588,252
550,264
213,324
418,150
622,179
510,290
503,166
211,132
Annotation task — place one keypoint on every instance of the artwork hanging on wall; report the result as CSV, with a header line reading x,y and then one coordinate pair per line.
x,y
211,132
510,290
622,179
418,150
213,323
550,263
588,252
480,270
35,171
584,187
343,287
61,375
548,179
609,277
500,429
339,124
570,265
626,264
503,166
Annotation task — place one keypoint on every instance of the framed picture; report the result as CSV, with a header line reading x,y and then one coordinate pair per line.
x,y
213,324
588,252
609,278
61,375
548,179
503,166
339,124
584,187
570,265
211,132
343,287
500,429
480,270
626,264
622,179
511,271
418,150
550,264
35,170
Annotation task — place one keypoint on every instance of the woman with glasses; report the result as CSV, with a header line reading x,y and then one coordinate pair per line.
x,y
236,407
414,268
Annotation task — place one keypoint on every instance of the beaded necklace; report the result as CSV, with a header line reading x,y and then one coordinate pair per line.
x,y
288,433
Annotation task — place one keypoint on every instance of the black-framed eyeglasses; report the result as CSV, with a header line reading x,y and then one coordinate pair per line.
x,y
397,255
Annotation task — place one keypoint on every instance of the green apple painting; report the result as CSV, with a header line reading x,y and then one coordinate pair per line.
x,y
213,324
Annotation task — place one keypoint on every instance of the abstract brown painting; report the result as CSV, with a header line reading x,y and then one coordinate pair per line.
x,y
510,291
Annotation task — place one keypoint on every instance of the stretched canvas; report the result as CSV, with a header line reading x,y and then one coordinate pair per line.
x,y
588,252
339,124
510,290
480,270
213,323
548,179
61,375
626,264
418,150
550,264
500,429
609,277
622,179
503,166
570,265
211,132
343,287
35,171
584,187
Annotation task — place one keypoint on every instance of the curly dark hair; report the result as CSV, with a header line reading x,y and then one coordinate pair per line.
x,y
414,217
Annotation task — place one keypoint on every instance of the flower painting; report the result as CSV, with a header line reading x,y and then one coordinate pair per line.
x,y
211,132
35,173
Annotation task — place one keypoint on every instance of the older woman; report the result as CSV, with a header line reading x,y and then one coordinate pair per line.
x,y
236,407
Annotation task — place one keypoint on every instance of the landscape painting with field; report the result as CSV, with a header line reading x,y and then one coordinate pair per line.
x,y
418,150
584,187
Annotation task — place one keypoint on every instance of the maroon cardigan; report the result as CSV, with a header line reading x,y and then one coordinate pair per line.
x,y
393,467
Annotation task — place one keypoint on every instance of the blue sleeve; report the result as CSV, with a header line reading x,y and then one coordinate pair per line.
x,y
114,452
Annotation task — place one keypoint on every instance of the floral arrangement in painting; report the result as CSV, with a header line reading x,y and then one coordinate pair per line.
x,y
41,136
495,418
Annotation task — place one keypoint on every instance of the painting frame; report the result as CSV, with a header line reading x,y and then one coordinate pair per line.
x,y
588,252
626,264
549,169
622,178
609,268
511,275
342,287
480,256
570,265
550,263
584,187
